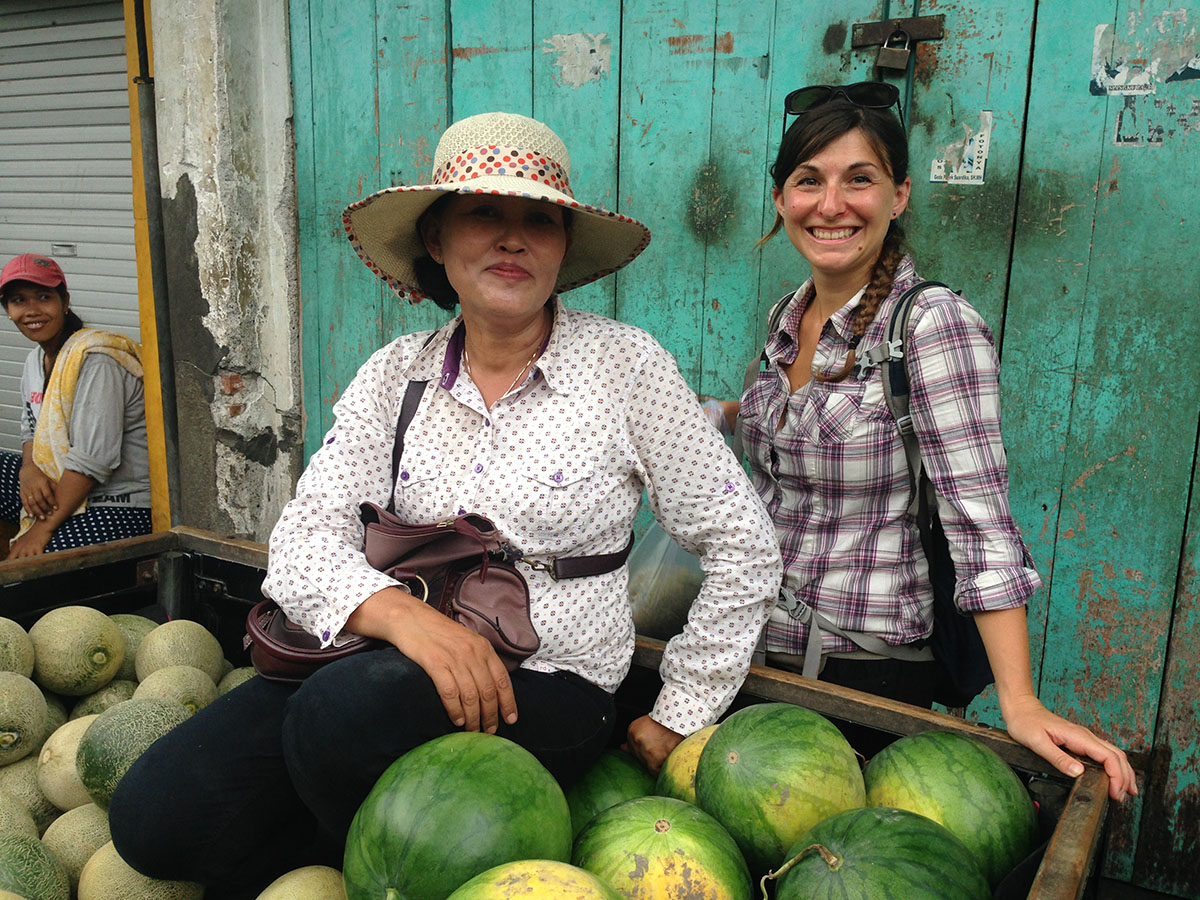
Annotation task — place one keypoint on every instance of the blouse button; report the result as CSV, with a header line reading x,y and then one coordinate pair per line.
x,y
325,635
478,467
404,475
487,422
729,488
557,477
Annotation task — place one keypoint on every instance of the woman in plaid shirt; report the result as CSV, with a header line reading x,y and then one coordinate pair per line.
x,y
829,462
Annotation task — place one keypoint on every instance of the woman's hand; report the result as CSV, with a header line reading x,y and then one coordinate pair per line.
x,y
1046,734
33,542
37,491
651,742
472,682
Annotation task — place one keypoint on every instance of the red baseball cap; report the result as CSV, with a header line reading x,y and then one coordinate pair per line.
x,y
32,267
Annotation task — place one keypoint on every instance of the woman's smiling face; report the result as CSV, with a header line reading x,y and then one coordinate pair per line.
x,y
38,312
501,253
837,205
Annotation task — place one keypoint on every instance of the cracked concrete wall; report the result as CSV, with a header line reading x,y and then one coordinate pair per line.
x,y
227,166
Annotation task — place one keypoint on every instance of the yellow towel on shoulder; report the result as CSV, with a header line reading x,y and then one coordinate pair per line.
x,y
51,438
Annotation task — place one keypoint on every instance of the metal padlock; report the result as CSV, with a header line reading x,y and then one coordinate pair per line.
x,y
891,57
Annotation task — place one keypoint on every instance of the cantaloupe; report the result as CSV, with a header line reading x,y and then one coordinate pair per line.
x,y
108,877
133,629
74,836
16,649
182,684
117,737
9,895
22,717
57,776
77,650
307,883
56,717
235,678
180,642
15,817
110,695
29,870
20,780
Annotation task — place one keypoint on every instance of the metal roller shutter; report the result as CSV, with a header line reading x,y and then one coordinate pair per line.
x,y
65,171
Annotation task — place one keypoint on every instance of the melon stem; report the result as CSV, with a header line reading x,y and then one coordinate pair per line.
x,y
831,859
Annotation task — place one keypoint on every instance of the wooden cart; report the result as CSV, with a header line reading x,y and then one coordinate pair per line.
x,y
187,573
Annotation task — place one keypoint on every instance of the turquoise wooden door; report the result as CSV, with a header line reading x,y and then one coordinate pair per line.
x,y
1053,145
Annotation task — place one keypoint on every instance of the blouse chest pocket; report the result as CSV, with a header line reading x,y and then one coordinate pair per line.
x,y
850,409
557,489
420,465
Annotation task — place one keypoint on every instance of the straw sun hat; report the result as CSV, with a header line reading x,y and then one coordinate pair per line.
x,y
492,153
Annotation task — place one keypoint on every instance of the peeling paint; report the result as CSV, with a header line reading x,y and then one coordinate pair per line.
x,y
701,43
472,52
1092,470
582,57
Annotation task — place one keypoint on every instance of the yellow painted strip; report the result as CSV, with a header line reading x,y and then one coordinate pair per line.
x,y
155,431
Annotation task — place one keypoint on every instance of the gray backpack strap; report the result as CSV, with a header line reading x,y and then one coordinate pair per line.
x,y
755,366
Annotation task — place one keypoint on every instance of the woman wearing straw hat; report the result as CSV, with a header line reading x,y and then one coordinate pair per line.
x,y
549,421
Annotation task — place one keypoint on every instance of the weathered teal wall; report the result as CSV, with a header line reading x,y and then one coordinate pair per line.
x,y
1077,245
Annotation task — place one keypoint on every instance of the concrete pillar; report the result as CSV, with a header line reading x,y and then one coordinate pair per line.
x,y
227,163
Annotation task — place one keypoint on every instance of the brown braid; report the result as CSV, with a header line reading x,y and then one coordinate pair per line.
x,y
878,288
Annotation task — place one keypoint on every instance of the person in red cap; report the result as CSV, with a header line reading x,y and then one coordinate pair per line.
x,y
83,476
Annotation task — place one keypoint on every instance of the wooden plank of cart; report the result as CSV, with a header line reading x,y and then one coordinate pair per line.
x,y
215,580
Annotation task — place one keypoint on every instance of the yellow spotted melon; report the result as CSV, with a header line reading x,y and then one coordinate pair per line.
x,y
677,777
110,695
74,836
23,717
28,869
14,816
133,629
57,776
107,877
183,684
77,650
180,642
20,780
16,649
307,883
117,737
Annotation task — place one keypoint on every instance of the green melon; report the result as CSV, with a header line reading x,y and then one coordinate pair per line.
x,y
186,685
235,678
14,816
614,776
110,695
20,780
74,836
534,879
29,870
770,772
23,717
16,649
307,883
677,777
57,776
180,642
652,847
107,877
958,782
880,854
448,810
117,737
77,650
133,628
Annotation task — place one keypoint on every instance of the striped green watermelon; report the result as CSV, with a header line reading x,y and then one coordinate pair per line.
x,y
659,847
614,776
959,782
772,771
880,854
448,810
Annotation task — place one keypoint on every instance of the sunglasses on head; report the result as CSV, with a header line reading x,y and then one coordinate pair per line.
x,y
863,94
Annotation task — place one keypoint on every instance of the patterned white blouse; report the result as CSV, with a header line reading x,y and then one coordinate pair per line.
x,y
559,464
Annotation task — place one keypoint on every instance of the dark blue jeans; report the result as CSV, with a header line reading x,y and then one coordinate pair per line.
x,y
268,777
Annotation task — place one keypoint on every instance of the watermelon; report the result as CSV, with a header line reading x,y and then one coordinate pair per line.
x,y
770,772
677,777
535,879
448,810
613,777
660,847
958,782
875,853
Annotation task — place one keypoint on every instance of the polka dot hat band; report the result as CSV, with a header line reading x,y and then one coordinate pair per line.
x,y
492,153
